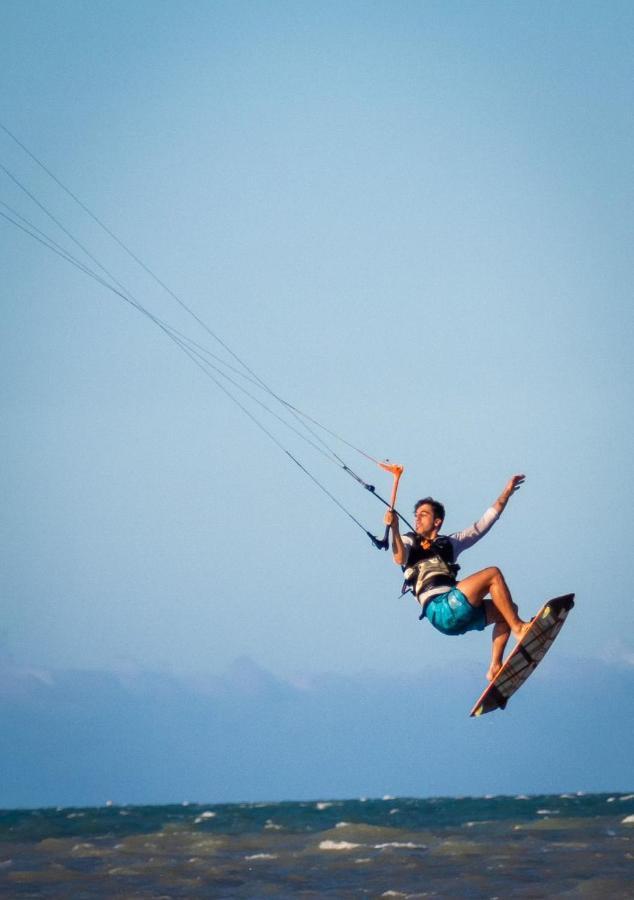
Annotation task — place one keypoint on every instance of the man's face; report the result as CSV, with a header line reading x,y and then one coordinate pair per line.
x,y
424,520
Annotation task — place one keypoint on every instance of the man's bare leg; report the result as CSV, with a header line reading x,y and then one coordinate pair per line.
x,y
501,634
491,581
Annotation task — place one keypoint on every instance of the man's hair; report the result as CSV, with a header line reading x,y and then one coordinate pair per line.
x,y
437,507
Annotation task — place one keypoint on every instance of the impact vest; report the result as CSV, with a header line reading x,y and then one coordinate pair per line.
x,y
431,567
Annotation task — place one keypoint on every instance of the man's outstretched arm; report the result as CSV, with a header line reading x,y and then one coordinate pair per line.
x,y
461,540
513,485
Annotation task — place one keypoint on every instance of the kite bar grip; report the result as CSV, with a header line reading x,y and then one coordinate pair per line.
x,y
396,471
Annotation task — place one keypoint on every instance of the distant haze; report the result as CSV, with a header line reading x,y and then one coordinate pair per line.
x,y
83,738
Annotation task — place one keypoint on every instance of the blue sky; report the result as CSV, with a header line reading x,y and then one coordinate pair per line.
x,y
414,221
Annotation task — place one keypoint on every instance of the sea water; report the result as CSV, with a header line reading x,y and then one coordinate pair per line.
x,y
542,846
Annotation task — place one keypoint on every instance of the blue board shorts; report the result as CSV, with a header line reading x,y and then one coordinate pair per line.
x,y
452,613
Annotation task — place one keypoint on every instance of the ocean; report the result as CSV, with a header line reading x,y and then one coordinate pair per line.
x,y
569,845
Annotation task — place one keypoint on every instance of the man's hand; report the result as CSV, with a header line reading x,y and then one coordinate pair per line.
x,y
513,485
398,550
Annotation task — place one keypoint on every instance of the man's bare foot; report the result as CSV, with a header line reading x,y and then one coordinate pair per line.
x,y
493,670
518,633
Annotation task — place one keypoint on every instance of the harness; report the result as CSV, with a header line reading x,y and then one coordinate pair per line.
x,y
429,567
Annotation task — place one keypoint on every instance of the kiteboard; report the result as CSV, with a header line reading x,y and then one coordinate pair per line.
x,y
525,656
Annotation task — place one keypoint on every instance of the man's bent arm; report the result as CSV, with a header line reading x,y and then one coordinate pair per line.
x,y
399,553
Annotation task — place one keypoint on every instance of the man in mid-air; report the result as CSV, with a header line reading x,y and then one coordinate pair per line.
x,y
429,559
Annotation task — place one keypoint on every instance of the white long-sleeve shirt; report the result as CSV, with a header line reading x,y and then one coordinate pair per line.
x,y
460,541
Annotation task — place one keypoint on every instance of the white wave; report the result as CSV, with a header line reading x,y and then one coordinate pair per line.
x,y
271,826
547,812
338,845
521,797
343,825
405,845
261,856
394,811
628,820
204,816
322,805
389,797
627,797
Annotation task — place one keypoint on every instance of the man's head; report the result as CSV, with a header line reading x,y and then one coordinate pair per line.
x,y
429,515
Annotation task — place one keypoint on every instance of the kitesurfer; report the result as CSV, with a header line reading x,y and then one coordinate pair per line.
x,y
428,560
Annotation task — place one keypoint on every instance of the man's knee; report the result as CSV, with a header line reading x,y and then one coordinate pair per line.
x,y
495,574
497,580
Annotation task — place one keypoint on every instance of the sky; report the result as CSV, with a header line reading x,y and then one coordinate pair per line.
x,y
413,221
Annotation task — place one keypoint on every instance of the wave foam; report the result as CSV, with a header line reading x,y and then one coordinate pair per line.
x,y
338,845
204,817
406,845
